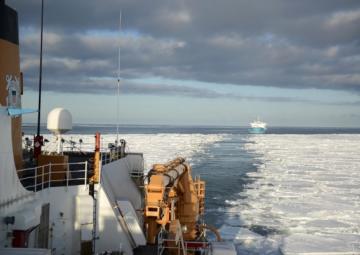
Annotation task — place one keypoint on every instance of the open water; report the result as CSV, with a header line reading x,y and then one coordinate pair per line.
x,y
290,191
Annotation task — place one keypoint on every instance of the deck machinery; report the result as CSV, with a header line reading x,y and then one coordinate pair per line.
x,y
172,200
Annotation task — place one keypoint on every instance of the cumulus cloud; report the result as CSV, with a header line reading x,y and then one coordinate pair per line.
x,y
343,18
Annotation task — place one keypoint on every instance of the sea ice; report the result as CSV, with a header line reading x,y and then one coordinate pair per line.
x,y
157,148
306,187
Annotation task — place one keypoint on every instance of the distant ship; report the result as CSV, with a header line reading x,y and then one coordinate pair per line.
x,y
257,127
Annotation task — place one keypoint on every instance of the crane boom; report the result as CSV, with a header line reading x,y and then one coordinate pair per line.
x,y
171,195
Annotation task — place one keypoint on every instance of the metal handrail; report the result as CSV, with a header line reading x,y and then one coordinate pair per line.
x,y
204,246
41,177
163,244
110,155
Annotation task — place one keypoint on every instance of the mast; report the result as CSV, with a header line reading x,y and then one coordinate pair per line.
x,y
38,140
40,68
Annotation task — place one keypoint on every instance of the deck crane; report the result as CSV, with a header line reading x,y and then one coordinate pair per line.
x,y
174,202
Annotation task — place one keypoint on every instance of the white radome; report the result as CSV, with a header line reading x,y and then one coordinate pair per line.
x,y
59,121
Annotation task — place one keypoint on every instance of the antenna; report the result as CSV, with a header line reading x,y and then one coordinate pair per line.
x,y
118,86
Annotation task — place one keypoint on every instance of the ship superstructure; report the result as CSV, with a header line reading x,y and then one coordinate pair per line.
x,y
257,127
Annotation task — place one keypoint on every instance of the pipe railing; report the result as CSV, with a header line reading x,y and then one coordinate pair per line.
x,y
203,248
190,247
109,152
54,174
112,154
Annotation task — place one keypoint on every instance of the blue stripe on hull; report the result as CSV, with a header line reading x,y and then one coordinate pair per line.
x,y
257,130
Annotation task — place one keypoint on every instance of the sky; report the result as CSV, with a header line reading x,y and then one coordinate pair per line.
x,y
203,62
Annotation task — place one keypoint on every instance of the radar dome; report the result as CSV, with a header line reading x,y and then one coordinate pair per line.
x,y
59,121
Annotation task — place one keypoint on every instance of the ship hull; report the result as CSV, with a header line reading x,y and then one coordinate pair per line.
x,y
257,130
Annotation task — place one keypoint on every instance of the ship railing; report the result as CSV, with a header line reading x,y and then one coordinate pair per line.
x,y
190,247
54,175
112,154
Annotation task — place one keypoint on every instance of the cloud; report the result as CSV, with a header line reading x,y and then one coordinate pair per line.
x,y
276,43
107,86
343,18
